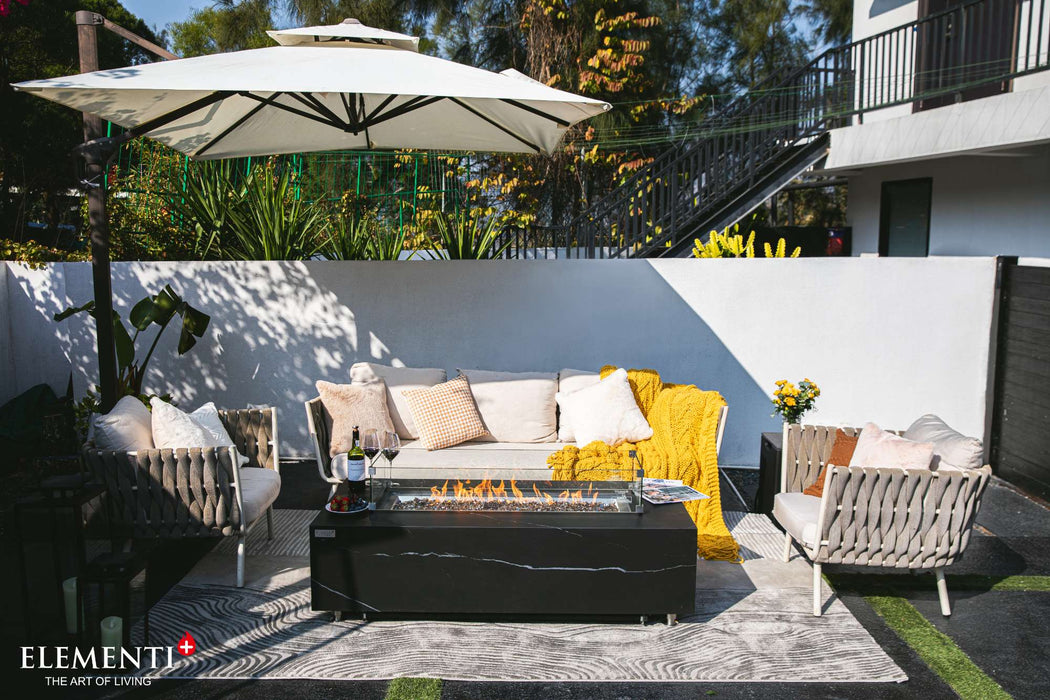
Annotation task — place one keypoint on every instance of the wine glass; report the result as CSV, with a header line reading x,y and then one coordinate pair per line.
x,y
391,448
370,446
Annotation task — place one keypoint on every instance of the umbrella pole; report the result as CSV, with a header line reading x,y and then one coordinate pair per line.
x,y
98,222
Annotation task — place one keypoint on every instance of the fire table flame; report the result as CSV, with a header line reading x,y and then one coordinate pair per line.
x,y
486,490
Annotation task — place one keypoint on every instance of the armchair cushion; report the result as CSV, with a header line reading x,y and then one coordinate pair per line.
x,y
259,489
841,454
126,428
881,448
798,514
951,449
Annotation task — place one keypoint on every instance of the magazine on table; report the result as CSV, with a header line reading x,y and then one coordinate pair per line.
x,y
660,491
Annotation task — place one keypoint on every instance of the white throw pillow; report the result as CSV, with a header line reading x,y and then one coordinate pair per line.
x,y
951,449
516,406
126,428
606,411
398,380
173,428
569,381
879,448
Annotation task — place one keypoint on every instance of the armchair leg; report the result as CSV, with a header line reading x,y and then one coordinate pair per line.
x,y
942,592
240,560
269,523
787,547
817,601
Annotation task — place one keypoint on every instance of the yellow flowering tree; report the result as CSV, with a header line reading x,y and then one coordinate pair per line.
x,y
792,402
723,245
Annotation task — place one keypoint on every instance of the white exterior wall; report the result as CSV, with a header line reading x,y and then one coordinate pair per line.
x,y
980,205
886,339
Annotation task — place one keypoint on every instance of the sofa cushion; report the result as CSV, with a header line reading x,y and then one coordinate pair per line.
x,y
879,448
445,414
516,406
128,427
259,489
398,380
349,405
798,514
569,381
174,428
605,412
951,449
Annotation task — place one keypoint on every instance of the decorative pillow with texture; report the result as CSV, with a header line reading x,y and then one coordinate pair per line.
x,y
516,406
126,428
363,405
569,381
879,448
445,414
398,380
606,411
174,428
951,449
841,454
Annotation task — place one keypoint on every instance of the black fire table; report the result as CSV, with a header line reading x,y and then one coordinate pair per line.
x,y
505,563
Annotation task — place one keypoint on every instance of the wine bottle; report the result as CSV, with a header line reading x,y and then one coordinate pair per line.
x,y
355,469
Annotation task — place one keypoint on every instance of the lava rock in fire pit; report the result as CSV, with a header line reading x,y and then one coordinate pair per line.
x,y
531,506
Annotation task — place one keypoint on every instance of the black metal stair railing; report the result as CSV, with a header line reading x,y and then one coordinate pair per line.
x,y
967,51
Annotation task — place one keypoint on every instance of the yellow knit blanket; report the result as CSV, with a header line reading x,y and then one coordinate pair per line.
x,y
683,446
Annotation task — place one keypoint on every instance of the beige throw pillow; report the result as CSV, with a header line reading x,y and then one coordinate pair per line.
x,y
951,449
569,381
445,414
879,448
516,406
363,405
398,380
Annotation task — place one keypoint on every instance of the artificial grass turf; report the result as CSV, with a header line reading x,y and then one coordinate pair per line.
x,y
863,583
936,649
414,689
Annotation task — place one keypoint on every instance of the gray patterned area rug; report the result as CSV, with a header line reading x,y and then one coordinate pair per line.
x,y
753,622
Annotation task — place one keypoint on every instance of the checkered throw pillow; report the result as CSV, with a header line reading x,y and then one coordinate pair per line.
x,y
445,414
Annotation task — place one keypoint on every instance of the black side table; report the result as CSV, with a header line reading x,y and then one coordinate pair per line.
x,y
116,570
768,472
55,497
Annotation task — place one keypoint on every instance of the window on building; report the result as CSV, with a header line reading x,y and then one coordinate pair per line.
x,y
904,221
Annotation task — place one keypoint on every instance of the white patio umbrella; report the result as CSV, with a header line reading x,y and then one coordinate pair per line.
x,y
345,86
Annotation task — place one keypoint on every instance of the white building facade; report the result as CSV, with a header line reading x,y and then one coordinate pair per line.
x,y
957,171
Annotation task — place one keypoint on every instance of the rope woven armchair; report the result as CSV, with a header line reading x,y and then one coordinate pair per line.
x,y
195,492
874,516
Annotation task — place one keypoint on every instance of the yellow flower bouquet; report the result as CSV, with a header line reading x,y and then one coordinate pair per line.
x,y
792,402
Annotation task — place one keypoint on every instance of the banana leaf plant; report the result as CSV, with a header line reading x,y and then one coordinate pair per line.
x,y
159,309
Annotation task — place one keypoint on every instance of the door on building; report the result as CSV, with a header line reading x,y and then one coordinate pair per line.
x,y
963,44
904,218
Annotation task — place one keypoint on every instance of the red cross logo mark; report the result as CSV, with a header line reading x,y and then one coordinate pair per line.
x,y
187,645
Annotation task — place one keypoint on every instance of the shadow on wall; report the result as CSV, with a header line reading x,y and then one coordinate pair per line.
x,y
279,327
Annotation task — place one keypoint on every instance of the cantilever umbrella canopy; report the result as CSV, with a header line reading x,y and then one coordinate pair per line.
x,y
344,86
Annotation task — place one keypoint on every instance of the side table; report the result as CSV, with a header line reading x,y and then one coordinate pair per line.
x,y
768,472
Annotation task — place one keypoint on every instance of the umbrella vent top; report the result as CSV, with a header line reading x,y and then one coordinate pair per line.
x,y
349,31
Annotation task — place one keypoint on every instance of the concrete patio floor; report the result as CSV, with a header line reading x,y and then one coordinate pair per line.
x,y
1002,631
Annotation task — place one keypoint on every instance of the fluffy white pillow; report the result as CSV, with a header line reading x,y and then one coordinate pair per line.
x,y
951,449
173,428
398,380
515,406
606,411
569,381
126,428
879,448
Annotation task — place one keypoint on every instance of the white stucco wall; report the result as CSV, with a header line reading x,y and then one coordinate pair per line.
x,y
887,339
980,205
